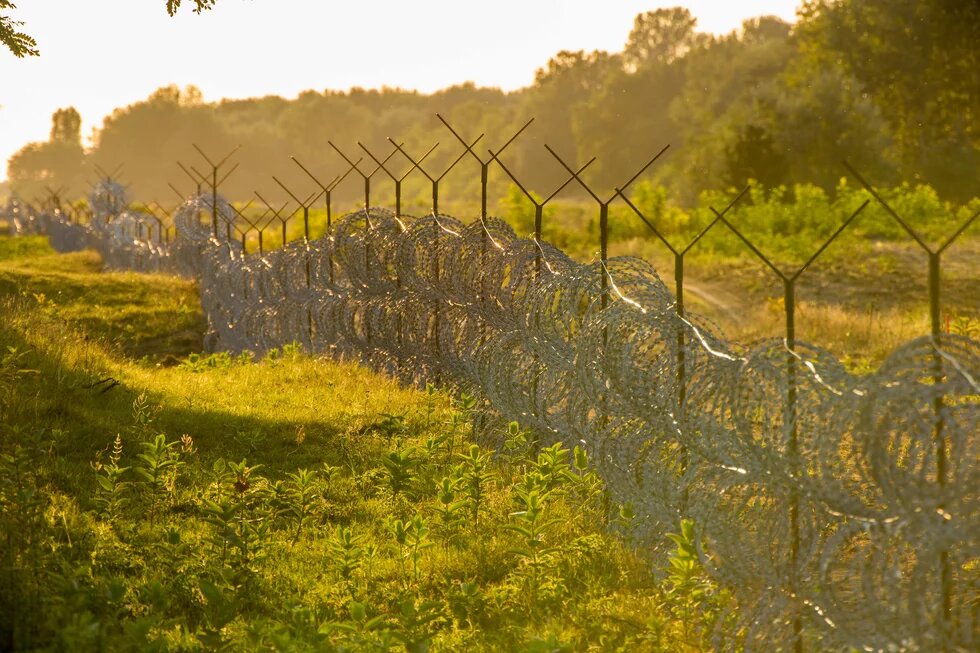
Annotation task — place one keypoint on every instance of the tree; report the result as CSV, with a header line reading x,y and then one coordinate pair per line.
x,y
21,44
724,111
199,6
17,42
66,126
919,61
660,36
58,163
560,89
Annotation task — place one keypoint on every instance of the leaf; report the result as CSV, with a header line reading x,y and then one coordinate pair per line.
x,y
358,611
147,476
520,530
211,593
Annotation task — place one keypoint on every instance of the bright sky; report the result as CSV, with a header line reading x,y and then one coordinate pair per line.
x,y
97,55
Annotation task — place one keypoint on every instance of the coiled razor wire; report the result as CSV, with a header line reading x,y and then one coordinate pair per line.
x,y
846,473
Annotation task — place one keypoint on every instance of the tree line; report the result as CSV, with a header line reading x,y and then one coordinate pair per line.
x,y
893,86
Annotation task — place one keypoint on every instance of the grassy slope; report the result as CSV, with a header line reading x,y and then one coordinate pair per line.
x,y
218,555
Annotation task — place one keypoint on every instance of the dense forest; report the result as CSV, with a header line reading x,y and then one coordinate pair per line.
x,y
893,86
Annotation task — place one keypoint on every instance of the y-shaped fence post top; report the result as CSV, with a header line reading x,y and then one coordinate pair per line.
x,y
107,176
381,162
398,180
354,164
193,173
219,163
329,185
905,226
277,213
484,165
469,147
530,196
303,204
435,180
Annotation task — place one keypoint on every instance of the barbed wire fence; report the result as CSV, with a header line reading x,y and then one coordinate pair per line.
x,y
841,510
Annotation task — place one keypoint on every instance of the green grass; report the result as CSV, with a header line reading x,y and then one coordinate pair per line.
x,y
139,315
152,498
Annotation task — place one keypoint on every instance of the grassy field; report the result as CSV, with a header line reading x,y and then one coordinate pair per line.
x,y
155,499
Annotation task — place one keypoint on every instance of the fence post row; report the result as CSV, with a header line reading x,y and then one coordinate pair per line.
x,y
792,361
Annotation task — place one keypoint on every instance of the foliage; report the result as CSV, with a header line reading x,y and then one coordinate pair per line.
x,y
917,60
199,6
19,43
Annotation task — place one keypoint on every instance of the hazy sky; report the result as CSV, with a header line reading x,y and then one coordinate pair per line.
x,y
100,54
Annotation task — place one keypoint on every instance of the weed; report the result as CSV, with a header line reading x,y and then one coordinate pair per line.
x,y
692,596
157,465
399,467
300,499
431,396
143,416
390,425
530,523
475,476
110,495
412,538
12,370
292,351
251,439
450,509
198,363
241,521
346,553
416,623
361,632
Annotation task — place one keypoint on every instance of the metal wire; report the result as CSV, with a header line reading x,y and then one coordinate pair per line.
x,y
768,448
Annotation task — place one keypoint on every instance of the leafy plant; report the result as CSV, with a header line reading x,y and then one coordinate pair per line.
x,y
475,476
300,499
450,508
252,439
691,595
292,350
241,519
347,552
110,496
361,632
143,416
12,369
399,467
412,538
157,465
198,363
530,524
416,621
390,425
